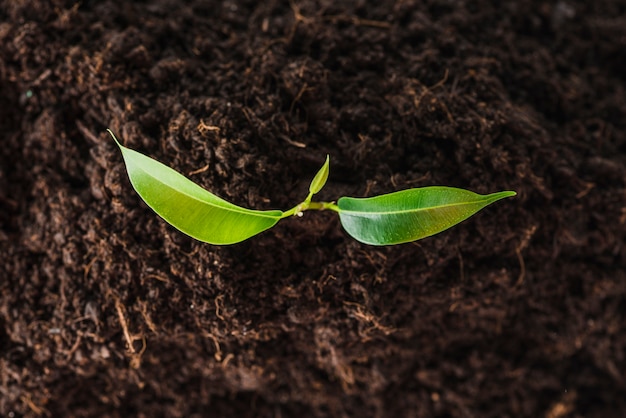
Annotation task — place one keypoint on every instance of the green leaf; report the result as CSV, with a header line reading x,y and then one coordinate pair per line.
x,y
320,178
190,208
410,215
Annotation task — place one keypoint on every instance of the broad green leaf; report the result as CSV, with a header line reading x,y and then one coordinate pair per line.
x,y
411,214
190,208
320,178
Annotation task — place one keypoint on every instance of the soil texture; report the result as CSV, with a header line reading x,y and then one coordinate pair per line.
x,y
105,310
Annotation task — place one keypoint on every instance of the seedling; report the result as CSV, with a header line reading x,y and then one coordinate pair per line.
x,y
387,219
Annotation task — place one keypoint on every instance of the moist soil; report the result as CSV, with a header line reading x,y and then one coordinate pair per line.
x,y
105,310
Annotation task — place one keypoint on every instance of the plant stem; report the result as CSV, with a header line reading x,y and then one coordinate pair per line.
x,y
308,205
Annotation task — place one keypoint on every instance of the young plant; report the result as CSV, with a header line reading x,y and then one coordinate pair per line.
x,y
387,219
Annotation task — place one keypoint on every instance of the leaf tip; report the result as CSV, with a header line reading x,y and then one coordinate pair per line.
x,y
114,138
494,197
320,178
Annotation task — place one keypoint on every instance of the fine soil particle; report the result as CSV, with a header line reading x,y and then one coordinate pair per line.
x,y
105,310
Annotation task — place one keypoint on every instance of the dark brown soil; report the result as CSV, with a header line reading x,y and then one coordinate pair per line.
x,y
105,310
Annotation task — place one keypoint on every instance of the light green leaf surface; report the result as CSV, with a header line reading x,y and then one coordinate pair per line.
x,y
320,178
410,215
190,208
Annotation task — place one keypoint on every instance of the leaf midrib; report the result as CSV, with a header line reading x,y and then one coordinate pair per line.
x,y
400,212
235,209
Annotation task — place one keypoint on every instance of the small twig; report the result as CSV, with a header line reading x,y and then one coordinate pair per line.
x,y
124,324
522,265
358,21
198,171
218,309
298,97
292,142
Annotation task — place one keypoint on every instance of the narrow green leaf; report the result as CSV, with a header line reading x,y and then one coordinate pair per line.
x,y
190,208
410,215
320,178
